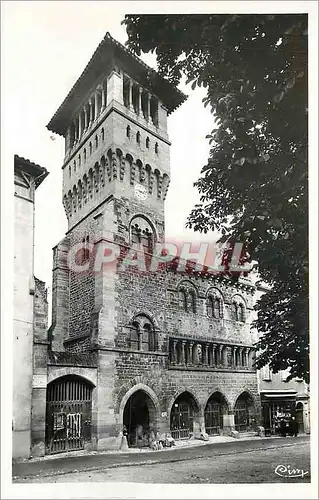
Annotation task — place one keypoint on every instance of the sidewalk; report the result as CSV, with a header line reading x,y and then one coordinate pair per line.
x,y
84,461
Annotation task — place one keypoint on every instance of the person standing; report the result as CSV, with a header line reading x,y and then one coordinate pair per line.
x,y
293,427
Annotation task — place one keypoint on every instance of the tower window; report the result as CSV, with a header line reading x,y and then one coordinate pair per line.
x,y
128,131
156,148
79,160
138,138
96,142
74,166
90,148
69,171
102,134
147,142
142,233
84,155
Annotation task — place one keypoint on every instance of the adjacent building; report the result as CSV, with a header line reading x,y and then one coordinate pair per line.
x,y
282,399
27,178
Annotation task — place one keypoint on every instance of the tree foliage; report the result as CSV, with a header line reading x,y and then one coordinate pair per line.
x,y
254,186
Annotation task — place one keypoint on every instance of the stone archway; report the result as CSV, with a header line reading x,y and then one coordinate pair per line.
x,y
184,416
215,410
245,413
139,418
68,414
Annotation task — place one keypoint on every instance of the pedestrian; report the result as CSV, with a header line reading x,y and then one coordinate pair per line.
x,y
293,427
283,427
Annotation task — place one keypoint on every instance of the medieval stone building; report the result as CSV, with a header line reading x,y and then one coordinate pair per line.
x,y
163,350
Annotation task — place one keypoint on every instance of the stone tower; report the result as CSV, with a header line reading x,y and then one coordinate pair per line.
x,y
116,166
115,179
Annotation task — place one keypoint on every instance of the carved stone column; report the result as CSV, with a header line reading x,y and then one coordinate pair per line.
x,y
183,352
206,355
148,107
139,109
191,354
228,356
240,359
96,102
246,357
103,97
80,125
233,356
91,112
130,94
76,131
174,353
213,352
85,118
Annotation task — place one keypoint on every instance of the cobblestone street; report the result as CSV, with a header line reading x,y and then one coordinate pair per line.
x,y
243,462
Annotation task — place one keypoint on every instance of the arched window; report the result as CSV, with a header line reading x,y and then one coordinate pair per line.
x,y
142,233
96,142
128,132
210,307
142,334
234,311
238,309
183,300
79,160
241,313
69,171
138,138
90,148
147,142
102,134
74,166
134,333
84,155
217,307
156,148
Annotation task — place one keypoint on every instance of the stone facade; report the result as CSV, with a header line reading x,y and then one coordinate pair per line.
x,y
160,349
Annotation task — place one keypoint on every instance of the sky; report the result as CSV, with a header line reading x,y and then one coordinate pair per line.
x,y
46,46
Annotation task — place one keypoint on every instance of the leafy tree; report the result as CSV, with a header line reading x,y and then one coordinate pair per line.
x,y
254,186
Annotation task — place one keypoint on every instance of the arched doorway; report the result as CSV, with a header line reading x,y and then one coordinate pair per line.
x,y
68,414
245,417
299,416
215,409
183,415
139,419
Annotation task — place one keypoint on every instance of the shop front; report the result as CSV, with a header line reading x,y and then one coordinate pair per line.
x,y
276,409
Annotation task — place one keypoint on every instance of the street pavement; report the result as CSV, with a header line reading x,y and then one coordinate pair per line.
x,y
103,466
